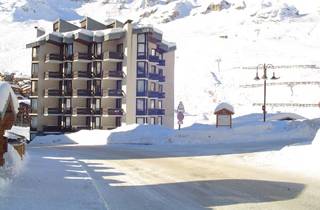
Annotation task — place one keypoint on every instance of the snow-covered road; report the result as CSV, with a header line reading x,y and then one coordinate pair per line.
x,y
153,177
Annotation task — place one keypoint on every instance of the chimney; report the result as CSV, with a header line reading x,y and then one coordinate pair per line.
x,y
40,31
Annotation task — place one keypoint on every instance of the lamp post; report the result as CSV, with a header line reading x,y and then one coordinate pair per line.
x,y
265,77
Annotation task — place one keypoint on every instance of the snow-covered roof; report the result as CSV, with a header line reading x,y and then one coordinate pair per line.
x,y
7,94
286,116
224,106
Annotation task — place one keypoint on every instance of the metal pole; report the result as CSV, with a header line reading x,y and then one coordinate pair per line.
x,y
265,93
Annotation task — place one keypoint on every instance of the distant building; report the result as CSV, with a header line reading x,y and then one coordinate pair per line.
x,y
98,76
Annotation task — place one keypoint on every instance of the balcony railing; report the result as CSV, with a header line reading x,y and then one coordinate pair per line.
x,y
156,111
161,62
115,112
82,92
113,74
153,76
53,92
86,111
81,127
55,111
162,78
142,74
142,94
112,55
82,74
82,56
153,58
153,94
113,93
141,112
161,94
35,58
53,57
52,128
53,75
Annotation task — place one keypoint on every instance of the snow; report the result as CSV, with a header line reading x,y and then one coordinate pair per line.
x,y
13,167
21,131
284,116
226,106
245,129
7,93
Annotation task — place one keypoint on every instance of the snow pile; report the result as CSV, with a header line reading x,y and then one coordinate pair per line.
x,y
245,129
6,94
301,158
12,167
286,116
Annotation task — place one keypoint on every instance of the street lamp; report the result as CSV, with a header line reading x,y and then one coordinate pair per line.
x,y
265,77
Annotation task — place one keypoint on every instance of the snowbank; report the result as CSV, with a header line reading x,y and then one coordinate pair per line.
x,y
303,159
246,129
12,167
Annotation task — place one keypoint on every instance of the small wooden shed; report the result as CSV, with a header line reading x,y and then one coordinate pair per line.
x,y
224,112
8,112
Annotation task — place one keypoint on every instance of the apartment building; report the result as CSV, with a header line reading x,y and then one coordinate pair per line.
x,y
100,76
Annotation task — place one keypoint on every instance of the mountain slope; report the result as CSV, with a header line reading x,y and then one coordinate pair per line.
x,y
243,34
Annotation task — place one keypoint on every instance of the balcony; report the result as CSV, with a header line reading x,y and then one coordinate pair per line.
x,y
53,93
116,93
153,58
161,62
113,56
161,95
142,94
156,111
113,112
82,75
53,58
81,127
82,93
84,111
153,94
162,78
142,74
52,111
141,112
52,128
35,58
82,57
113,75
153,76
52,75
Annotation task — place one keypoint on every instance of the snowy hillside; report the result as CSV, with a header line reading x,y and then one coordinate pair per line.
x,y
237,34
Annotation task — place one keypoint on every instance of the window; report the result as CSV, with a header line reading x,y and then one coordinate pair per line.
x,y
56,26
160,104
34,87
142,68
153,69
68,50
152,86
159,120
68,103
153,52
160,88
99,49
68,69
141,86
118,103
97,122
161,72
142,46
119,66
152,121
118,121
34,105
141,104
140,120
35,52
97,104
120,48
97,68
34,70
152,104
34,122
68,122
141,38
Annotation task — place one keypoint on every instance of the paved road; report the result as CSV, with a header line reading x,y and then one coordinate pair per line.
x,y
153,177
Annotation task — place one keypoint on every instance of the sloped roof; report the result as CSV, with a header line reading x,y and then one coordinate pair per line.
x,y
224,106
7,95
